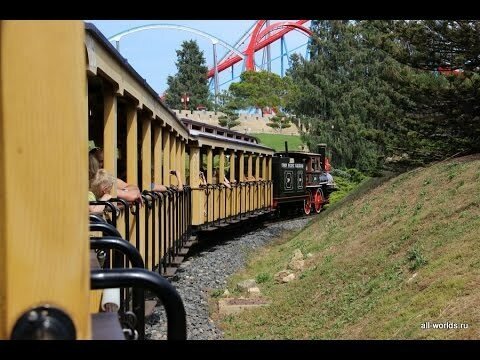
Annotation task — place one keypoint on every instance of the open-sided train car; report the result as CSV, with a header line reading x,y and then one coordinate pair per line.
x,y
301,179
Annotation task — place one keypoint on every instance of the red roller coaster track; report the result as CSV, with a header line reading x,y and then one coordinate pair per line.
x,y
260,39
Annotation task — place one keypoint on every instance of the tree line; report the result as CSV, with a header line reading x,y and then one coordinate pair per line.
x,y
381,93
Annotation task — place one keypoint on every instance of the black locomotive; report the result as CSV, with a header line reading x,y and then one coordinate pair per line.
x,y
301,179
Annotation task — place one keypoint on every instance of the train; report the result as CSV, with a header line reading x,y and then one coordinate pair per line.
x,y
69,274
302,180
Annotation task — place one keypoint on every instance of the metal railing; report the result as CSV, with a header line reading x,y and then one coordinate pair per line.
x,y
141,278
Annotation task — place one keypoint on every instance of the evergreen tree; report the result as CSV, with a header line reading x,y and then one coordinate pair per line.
x,y
280,121
380,90
229,108
343,94
443,116
190,80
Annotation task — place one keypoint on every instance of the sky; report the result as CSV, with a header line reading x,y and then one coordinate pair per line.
x,y
153,52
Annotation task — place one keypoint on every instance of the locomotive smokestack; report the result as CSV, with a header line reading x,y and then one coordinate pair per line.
x,y
286,147
321,149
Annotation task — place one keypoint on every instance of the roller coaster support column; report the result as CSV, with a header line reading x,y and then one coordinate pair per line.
x,y
269,57
214,44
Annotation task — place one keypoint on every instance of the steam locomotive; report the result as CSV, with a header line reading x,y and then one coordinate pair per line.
x,y
301,179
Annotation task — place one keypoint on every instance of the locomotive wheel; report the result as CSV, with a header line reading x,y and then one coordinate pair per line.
x,y
318,201
307,204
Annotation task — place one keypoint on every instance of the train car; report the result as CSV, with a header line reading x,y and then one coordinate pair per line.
x,y
66,273
302,179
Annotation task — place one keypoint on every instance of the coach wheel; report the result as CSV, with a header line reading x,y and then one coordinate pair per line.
x,y
318,201
307,204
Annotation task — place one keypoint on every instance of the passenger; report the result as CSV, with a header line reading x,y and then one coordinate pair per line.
x,y
203,180
330,180
328,167
125,191
216,178
163,188
100,188
227,176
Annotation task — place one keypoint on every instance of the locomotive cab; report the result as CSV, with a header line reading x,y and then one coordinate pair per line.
x,y
289,179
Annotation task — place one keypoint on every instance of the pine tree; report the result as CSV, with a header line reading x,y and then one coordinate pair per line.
x,y
229,119
443,86
229,107
280,121
190,80
343,94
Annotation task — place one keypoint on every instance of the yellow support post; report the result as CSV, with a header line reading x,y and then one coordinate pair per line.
x,y
166,179
198,207
110,133
178,155
249,174
132,161
173,181
157,178
270,192
173,158
44,250
166,156
210,181
182,166
146,153
241,169
146,185
265,177
233,191
221,179
257,176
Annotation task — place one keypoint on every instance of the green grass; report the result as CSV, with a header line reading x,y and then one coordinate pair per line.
x,y
277,141
393,254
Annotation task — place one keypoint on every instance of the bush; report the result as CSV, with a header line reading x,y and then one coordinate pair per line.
x,y
340,173
262,277
355,175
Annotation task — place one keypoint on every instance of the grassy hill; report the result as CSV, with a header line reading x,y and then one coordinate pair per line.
x,y
277,141
384,260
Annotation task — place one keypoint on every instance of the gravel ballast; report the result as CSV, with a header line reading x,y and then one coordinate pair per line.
x,y
207,269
